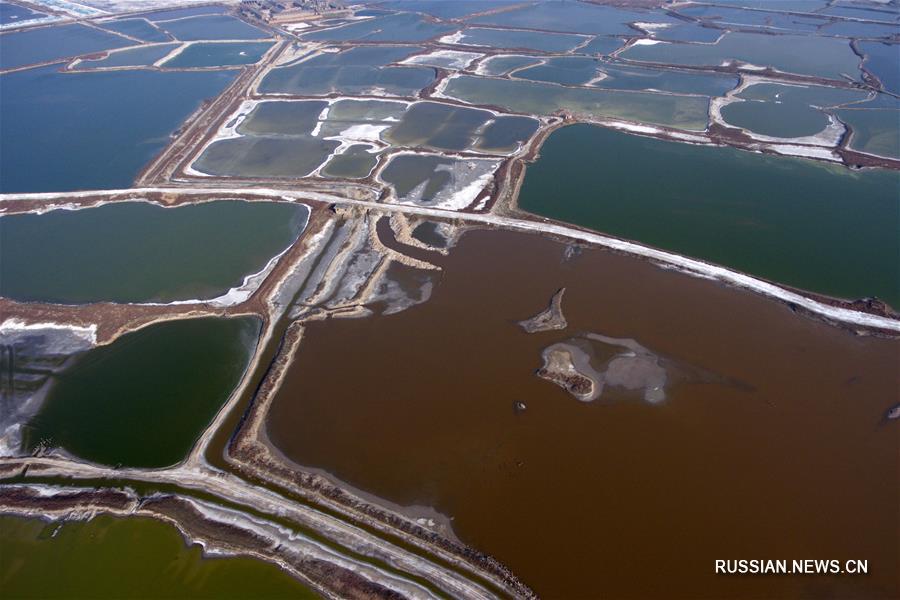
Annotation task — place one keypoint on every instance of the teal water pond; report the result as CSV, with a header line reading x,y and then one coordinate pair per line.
x,y
802,223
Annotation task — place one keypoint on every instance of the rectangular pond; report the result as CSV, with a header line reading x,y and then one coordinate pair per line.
x,y
757,398
212,27
140,252
43,44
71,131
517,39
573,17
402,27
354,71
218,54
130,57
831,58
138,28
802,223
542,98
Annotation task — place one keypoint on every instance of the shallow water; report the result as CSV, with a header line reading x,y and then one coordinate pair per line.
x,y
869,12
861,30
137,56
212,27
218,54
285,118
874,131
65,131
542,98
787,110
578,70
354,71
530,40
18,48
265,157
503,64
568,70
574,17
565,486
138,252
884,61
437,180
148,557
813,95
409,171
804,55
446,10
181,13
138,28
775,119
448,127
664,80
13,13
601,45
356,162
404,27
802,223
767,20
143,400
688,32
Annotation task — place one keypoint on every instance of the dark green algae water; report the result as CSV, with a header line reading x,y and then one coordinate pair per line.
x,y
140,252
819,227
110,557
143,400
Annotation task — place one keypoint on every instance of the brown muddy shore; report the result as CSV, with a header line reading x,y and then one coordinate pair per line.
x,y
796,407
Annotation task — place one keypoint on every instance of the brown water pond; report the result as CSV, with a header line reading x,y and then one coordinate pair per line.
x,y
781,450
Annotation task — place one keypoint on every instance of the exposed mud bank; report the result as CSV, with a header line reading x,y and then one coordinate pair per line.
x,y
549,319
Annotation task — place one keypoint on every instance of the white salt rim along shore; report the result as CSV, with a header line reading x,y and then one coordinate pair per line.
x,y
691,266
457,200
15,324
235,295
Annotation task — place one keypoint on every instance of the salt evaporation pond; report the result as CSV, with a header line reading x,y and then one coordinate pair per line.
x,y
816,226
760,398
138,28
801,54
143,400
214,54
43,44
212,27
573,17
512,38
402,27
148,557
443,9
13,13
787,110
139,252
65,131
129,57
360,70
686,112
